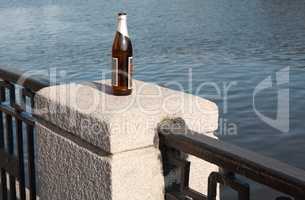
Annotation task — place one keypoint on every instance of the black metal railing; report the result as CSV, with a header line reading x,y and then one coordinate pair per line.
x,y
17,150
176,142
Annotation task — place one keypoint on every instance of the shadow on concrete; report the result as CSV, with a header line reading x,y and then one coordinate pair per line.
x,y
102,87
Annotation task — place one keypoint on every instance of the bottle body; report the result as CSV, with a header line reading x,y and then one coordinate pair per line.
x,y
122,59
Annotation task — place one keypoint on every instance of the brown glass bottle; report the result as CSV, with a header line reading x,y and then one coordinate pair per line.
x,y
122,60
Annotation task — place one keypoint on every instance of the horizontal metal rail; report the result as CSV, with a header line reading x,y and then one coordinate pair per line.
x,y
233,160
23,79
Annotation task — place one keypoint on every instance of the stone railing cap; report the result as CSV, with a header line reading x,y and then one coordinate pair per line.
x,y
121,123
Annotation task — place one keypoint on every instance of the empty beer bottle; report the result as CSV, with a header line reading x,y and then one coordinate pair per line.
x,y
122,60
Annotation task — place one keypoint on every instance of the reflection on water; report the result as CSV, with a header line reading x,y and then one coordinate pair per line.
x,y
232,45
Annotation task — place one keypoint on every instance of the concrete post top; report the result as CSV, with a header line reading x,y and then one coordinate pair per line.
x,y
120,123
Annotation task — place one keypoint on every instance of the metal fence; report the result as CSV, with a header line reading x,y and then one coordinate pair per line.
x,y
17,152
176,142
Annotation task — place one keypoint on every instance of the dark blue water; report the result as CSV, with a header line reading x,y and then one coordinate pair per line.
x,y
218,49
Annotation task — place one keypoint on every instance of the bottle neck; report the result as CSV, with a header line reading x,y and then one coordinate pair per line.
x,y
122,25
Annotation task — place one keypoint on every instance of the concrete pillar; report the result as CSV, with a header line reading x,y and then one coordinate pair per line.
x,y
93,145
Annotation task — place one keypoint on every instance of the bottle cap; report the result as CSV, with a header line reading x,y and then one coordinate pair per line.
x,y
122,13
122,16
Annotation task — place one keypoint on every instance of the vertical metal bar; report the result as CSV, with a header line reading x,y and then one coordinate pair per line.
x,y
32,102
31,165
244,193
20,147
2,94
3,184
23,99
10,138
185,173
2,147
212,186
228,179
242,188
31,152
12,95
20,159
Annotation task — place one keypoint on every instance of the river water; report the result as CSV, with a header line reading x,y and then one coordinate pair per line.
x,y
246,55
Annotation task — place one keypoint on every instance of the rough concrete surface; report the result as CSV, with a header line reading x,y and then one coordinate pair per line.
x,y
117,124
68,171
